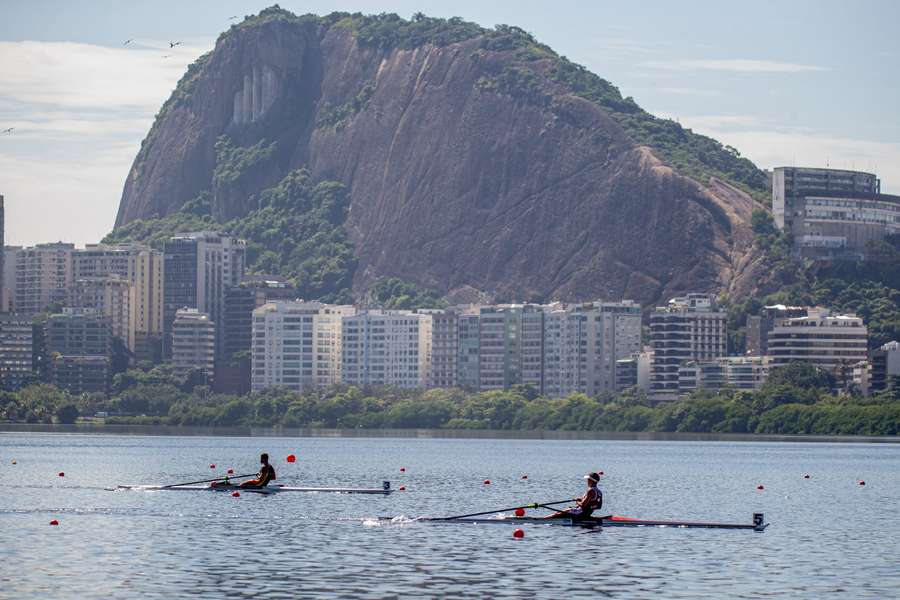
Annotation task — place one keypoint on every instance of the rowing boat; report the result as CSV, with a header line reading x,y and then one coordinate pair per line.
x,y
758,523
384,490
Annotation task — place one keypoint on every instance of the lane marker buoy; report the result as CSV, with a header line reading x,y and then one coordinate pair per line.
x,y
518,534
54,522
291,458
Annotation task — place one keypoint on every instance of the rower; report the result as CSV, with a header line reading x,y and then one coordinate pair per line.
x,y
265,475
589,502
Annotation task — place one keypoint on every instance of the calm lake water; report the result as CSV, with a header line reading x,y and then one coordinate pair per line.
x,y
829,536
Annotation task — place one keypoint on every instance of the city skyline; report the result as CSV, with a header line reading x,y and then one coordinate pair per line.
x,y
80,100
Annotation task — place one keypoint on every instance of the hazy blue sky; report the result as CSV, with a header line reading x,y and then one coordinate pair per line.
x,y
797,82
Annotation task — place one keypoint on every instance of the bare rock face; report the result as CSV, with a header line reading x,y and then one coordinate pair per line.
x,y
457,183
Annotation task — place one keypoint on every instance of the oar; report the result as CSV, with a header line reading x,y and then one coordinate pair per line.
x,y
209,480
490,512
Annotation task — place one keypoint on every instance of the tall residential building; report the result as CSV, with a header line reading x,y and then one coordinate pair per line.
x,y
885,363
15,351
759,326
688,328
468,325
8,275
832,213
297,344
77,344
510,346
834,343
582,343
143,268
43,276
385,347
193,342
113,297
199,267
444,347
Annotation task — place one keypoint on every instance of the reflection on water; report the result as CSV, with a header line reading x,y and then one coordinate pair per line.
x,y
829,535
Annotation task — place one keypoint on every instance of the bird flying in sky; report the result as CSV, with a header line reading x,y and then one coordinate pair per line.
x,y
127,42
173,44
10,130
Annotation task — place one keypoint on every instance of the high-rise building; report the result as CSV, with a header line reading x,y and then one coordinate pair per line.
x,y
444,347
2,255
113,297
688,328
385,347
142,267
759,326
468,325
582,343
193,342
832,213
834,343
510,346
78,347
199,267
15,351
298,344
8,274
43,276
885,363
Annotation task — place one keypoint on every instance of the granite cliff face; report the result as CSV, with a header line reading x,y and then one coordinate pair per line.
x,y
477,160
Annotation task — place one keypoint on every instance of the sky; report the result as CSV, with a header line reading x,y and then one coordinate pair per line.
x,y
805,82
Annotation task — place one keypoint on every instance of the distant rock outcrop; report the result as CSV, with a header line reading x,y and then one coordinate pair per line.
x,y
478,161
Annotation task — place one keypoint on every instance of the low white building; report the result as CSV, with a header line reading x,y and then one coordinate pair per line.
x,y
833,342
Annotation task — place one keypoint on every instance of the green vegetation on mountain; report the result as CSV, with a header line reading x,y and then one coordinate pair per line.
x,y
233,162
393,293
794,400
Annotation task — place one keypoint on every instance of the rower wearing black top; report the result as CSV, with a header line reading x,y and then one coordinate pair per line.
x,y
591,500
265,475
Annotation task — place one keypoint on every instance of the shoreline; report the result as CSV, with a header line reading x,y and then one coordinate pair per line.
x,y
165,430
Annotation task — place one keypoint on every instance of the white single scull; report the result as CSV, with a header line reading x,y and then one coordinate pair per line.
x,y
384,490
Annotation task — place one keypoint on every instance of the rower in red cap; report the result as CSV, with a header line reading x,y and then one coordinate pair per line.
x,y
591,500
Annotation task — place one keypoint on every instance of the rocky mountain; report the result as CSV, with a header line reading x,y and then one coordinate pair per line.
x,y
477,162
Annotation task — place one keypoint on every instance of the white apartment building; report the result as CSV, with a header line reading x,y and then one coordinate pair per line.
x,y
43,276
297,344
582,343
689,328
193,342
734,372
386,347
111,296
15,351
832,342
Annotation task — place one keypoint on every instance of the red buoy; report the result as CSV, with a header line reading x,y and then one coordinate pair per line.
x,y
760,487
862,482
520,512
600,473
291,458
61,474
403,469
235,494
806,476
402,488
212,466
54,522
231,471
487,482
524,476
518,534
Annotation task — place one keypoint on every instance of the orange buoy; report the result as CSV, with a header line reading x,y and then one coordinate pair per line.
x,y
402,488
54,522
230,471
13,461
861,482
520,512
487,482
524,476
518,534
291,458
760,487
61,474
235,494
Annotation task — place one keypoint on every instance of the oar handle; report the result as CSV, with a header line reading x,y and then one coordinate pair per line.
x,y
208,480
